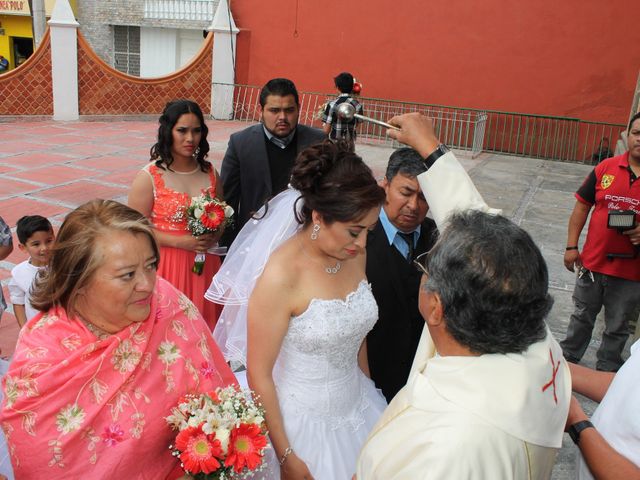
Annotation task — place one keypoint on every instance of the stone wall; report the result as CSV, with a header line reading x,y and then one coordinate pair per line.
x,y
97,17
94,17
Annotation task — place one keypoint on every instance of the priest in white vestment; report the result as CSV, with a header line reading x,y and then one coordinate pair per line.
x,y
489,392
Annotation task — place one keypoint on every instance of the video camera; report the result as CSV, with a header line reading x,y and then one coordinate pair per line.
x,y
622,220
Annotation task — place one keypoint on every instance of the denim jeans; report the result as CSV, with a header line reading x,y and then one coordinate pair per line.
x,y
620,299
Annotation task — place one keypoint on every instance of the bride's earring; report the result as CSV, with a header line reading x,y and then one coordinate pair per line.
x,y
314,232
196,152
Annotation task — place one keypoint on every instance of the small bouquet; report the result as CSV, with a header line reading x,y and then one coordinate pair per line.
x,y
221,435
320,112
206,214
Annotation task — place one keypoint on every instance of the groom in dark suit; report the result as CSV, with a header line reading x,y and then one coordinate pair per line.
x,y
402,233
258,161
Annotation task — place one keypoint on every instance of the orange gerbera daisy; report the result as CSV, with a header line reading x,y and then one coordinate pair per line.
x,y
213,395
198,450
213,216
246,444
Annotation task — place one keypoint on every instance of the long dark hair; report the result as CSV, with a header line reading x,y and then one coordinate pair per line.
x,y
334,182
161,150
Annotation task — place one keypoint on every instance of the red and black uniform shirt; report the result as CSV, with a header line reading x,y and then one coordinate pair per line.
x,y
611,185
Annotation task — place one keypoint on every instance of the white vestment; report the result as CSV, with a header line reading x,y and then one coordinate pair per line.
x,y
489,417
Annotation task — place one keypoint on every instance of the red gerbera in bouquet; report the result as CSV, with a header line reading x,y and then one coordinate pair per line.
x,y
221,435
206,214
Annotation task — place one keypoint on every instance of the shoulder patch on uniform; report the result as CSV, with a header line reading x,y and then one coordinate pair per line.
x,y
607,181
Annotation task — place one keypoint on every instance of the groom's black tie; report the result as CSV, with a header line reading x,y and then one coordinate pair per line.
x,y
408,237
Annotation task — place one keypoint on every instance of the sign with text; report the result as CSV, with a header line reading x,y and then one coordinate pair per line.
x,y
14,7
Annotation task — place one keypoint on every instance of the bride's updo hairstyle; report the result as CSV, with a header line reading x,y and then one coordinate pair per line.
x,y
334,182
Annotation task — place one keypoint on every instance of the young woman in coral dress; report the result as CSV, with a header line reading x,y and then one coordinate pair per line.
x,y
161,191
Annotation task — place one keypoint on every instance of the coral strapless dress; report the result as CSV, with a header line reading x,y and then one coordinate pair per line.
x,y
168,216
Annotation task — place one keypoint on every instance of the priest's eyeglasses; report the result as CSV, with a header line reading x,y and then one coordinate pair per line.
x,y
420,262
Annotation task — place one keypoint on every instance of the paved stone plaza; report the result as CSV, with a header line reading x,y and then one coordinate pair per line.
x,y
49,168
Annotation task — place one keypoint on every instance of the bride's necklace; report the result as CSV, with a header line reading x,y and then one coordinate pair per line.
x,y
330,270
190,172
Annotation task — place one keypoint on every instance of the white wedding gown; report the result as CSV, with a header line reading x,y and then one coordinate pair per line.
x,y
328,405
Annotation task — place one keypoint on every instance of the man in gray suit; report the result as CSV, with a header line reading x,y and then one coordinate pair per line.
x,y
258,161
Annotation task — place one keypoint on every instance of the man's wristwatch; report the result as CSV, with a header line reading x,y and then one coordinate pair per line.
x,y
575,430
436,154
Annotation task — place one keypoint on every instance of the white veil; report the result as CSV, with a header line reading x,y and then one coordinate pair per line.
x,y
234,282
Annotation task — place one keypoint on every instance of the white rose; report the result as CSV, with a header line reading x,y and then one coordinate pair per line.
x,y
198,212
207,428
258,420
222,434
193,422
228,211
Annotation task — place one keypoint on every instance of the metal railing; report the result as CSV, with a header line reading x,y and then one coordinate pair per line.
x,y
458,128
536,136
546,137
202,10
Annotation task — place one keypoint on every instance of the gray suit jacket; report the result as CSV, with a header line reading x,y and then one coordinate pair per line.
x,y
245,174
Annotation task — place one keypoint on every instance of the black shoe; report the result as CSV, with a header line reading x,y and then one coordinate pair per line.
x,y
570,358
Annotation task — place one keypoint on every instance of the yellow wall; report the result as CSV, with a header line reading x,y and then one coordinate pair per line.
x,y
20,26
14,26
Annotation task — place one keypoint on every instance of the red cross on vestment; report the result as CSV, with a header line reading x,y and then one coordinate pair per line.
x,y
554,372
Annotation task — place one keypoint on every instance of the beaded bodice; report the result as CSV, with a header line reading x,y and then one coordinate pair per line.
x,y
169,206
317,370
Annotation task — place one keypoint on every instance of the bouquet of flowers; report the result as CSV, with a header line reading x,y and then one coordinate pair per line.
x,y
221,435
206,214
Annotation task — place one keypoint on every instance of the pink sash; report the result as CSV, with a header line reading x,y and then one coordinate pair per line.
x,y
80,407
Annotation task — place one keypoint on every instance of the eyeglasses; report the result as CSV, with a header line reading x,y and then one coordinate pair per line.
x,y
420,262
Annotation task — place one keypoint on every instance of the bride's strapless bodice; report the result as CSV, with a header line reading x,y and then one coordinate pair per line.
x,y
317,369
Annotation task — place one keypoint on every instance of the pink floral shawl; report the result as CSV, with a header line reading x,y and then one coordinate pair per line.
x,y
81,407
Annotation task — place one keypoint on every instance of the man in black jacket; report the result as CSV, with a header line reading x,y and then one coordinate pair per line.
x,y
258,161
402,233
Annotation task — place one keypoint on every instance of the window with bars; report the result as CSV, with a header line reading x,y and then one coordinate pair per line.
x,y
126,49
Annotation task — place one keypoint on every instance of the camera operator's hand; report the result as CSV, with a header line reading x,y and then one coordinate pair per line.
x,y
634,235
572,260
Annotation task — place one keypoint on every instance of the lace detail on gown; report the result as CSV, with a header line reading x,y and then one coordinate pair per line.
x,y
317,373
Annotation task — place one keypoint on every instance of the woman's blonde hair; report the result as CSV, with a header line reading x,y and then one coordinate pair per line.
x,y
74,259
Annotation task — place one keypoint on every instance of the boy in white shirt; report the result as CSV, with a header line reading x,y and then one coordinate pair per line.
x,y
36,237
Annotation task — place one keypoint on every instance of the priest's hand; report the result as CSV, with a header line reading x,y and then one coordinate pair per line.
x,y
417,131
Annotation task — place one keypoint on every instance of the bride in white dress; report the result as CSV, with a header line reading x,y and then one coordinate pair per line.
x,y
304,325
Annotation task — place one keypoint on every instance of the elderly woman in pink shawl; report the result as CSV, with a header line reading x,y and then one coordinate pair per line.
x,y
94,376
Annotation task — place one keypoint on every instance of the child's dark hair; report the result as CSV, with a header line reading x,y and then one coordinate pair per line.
x,y
344,82
30,224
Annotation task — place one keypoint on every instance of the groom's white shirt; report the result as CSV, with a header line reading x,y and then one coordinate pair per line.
x,y
493,416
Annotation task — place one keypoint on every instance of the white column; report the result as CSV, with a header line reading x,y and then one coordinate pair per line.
x,y
64,61
224,57
38,20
